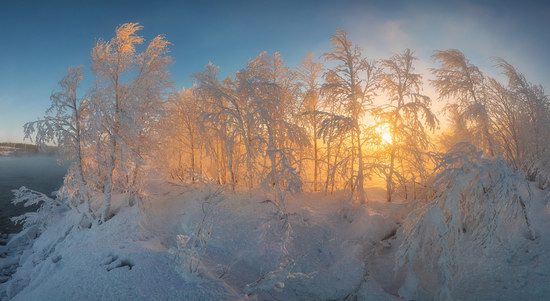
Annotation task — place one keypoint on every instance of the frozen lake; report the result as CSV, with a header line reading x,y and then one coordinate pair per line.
x,y
38,172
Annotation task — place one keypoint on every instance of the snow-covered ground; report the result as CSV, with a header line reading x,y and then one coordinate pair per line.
x,y
337,253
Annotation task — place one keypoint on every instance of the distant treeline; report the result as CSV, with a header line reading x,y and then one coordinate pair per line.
x,y
27,148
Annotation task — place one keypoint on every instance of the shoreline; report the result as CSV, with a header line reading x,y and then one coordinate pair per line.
x,y
37,171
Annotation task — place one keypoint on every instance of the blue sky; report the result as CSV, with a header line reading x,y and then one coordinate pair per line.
x,y
41,39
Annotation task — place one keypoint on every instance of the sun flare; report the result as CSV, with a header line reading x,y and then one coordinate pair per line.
x,y
383,131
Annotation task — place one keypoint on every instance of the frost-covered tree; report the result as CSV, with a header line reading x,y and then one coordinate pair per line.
x,y
228,111
456,131
144,108
127,100
255,113
64,124
507,119
334,131
458,80
47,208
271,89
503,119
408,117
111,60
352,84
309,74
183,143
521,113
261,106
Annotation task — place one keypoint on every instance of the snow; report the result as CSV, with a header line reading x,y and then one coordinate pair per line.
x,y
338,252
108,262
521,274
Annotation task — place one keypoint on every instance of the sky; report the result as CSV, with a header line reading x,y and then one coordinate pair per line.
x,y
39,40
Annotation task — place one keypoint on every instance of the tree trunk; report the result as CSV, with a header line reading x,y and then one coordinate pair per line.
x,y
192,156
329,148
315,158
389,177
108,187
360,173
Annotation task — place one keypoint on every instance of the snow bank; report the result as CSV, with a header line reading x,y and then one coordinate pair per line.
x,y
480,212
136,254
110,261
338,252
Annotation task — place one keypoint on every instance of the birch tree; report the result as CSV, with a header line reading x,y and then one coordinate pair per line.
x,y
229,110
521,113
309,74
352,82
270,87
457,79
408,114
64,125
129,87
184,114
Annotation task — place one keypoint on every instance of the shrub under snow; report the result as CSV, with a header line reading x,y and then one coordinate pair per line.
x,y
47,207
479,204
192,244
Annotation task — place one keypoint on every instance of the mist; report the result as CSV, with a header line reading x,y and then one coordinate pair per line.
x,y
38,172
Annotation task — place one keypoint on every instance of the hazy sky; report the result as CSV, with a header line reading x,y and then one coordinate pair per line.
x,y
41,39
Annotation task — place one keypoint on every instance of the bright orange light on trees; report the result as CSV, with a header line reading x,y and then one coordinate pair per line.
x,y
384,132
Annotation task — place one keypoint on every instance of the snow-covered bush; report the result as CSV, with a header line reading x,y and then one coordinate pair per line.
x,y
276,278
46,210
479,204
276,238
191,245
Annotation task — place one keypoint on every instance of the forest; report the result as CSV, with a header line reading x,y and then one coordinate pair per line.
x,y
343,145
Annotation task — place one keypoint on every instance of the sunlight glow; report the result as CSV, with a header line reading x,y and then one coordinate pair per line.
x,y
383,131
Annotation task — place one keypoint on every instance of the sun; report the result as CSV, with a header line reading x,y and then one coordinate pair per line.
x,y
383,131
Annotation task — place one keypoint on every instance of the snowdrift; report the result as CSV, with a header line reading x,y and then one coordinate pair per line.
x,y
482,237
